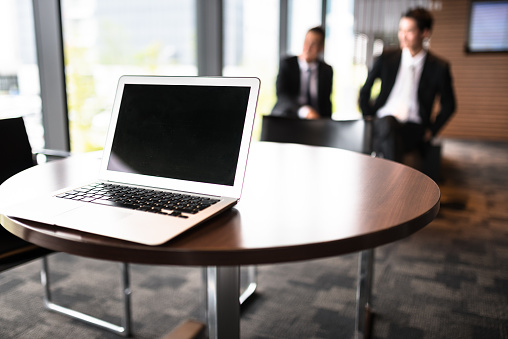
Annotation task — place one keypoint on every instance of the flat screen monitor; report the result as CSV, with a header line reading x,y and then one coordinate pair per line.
x,y
488,26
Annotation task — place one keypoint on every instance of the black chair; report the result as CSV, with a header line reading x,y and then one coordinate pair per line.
x,y
16,155
352,135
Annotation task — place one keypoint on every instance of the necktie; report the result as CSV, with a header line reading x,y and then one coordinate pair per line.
x,y
307,94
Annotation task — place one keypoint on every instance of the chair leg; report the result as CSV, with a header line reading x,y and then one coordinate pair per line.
x,y
251,283
124,329
364,294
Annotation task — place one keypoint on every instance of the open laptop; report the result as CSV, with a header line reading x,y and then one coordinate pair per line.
x,y
170,135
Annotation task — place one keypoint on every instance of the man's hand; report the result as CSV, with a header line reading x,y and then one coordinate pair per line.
x,y
312,114
428,135
307,112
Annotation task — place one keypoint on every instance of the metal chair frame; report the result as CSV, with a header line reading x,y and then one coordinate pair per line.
x,y
124,329
20,157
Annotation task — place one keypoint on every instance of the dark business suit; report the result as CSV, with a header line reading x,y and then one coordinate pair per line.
x,y
288,89
435,81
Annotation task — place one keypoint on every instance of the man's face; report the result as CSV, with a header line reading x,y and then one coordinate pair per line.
x,y
410,36
312,46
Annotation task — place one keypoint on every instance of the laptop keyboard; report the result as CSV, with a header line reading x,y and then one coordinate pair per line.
x,y
174,204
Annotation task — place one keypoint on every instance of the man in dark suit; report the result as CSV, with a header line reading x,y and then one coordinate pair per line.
x,y
304,82
411,79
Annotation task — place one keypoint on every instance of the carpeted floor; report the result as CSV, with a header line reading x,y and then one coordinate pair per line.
x,y
450,280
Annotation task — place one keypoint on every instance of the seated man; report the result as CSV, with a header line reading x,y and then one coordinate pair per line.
x,y
304,82
411,79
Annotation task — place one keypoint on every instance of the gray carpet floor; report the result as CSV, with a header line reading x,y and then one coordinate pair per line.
x,y
449,280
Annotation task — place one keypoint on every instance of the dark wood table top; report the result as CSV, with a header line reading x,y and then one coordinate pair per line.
x,y
298,203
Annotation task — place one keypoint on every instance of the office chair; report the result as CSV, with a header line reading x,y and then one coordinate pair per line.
x,y
16,155
352,135
13,250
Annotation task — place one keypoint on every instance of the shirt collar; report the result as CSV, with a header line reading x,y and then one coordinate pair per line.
x,y
304,65
416,60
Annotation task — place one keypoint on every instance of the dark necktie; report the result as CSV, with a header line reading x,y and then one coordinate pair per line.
x,y
307,94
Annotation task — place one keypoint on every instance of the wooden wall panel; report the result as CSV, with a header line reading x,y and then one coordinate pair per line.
x,y
481,80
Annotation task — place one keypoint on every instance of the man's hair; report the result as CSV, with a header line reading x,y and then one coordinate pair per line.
x,y
423,18
318,30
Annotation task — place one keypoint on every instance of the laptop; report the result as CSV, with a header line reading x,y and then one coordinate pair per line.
x,y
170,137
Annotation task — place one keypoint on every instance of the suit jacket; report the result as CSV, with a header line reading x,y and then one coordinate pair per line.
x,y
288,88
436,80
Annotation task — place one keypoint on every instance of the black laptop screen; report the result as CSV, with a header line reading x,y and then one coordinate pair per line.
x,y
180,132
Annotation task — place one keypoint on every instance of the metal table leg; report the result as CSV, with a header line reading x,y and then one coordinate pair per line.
x,y
364,294
223,304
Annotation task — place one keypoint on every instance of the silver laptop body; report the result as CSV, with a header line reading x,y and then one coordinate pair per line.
x,y
174,134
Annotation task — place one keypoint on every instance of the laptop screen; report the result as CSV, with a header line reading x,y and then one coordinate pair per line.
x,y
184,132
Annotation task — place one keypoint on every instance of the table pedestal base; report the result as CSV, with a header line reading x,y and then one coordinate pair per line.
x,y
190,329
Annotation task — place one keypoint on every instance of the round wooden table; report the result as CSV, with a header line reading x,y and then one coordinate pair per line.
x,y
298,203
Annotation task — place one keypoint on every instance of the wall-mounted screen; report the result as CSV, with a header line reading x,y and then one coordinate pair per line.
x,y
488,26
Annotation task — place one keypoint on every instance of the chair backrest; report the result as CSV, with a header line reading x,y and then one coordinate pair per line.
x,y
15,150
16,156
353,135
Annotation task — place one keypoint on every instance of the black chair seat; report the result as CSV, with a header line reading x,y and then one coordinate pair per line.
x,y
15,251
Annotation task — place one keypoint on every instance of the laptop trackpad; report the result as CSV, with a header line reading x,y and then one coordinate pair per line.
x,y
141,227
92,218
42,210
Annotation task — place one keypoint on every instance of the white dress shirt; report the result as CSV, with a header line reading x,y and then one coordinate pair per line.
x,y
402,102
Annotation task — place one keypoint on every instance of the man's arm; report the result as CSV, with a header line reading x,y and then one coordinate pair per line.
x,y
365,103
325,87
287,85
447,100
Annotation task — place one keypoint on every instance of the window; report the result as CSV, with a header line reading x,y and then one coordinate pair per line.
x,y
302,15
19,73
106,39
348,76
251,45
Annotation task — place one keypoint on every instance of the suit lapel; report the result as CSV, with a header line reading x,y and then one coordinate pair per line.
x,y
424,78
393,69
319,80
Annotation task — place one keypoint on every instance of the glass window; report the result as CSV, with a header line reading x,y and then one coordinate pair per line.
x,y
106,39
342,52
251,45
302,15
19,73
